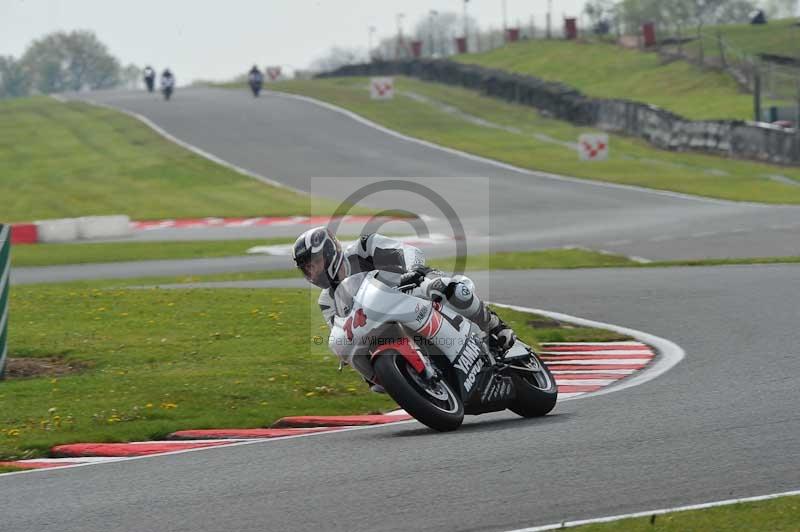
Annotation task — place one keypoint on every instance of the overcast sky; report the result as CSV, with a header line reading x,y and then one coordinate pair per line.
x,y
213,39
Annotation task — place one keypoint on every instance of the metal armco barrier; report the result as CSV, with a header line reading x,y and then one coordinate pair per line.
x,y
5,287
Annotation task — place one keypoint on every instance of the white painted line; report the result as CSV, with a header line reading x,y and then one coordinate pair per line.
x,y
584,382
581,362
587,372
194,149
95,459
703,506
595,343
643,352
565,396
671,353
545,175
179,442
703,234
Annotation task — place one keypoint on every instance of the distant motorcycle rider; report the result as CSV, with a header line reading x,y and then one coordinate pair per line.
x,y
149,78
167,83
256,80
318,254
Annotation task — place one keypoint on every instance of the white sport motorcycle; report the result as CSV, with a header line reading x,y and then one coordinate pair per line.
x,y
436,364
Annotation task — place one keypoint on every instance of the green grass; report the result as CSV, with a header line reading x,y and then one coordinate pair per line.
x,y
518,260
774,515
527,260
609,71
56,254
166,360
59,254
632,161
160,361
534,329
74,159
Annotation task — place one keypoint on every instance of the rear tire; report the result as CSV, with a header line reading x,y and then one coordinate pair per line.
x,y
536,393
403,384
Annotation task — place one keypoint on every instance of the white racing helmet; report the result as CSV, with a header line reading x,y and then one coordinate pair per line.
x,y
319,256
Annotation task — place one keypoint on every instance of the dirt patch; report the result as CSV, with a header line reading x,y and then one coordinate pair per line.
x,y
25,367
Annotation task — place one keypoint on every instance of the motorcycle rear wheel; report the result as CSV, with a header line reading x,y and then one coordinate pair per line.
x,y
537,391
434,404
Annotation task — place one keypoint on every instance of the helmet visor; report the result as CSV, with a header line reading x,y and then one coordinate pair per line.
x,y
314,271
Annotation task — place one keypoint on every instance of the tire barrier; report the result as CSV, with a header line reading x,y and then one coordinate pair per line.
x,y
5,287
24,234
733,138
61,230
72,229
94,227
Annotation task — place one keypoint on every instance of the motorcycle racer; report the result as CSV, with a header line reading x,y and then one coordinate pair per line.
x,y
319,255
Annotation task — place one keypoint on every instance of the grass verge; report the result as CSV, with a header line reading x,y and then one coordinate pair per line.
x,y
609,71
521,260
74,159
774,515
528,260
58,254
157,361
522,137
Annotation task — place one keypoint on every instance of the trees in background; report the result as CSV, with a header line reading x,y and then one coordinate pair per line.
x,y
63,61
337,57
14,79
70,61
678,15
781,8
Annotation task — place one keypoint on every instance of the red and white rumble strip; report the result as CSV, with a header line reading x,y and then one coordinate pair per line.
x,y
579,369
590,366
191,223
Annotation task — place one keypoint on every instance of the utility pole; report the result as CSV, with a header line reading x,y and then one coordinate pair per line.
x,y
433,14
466,24
400,44
371,32
505,21
549,19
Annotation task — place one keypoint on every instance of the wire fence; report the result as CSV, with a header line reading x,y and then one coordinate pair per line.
x,y
773,80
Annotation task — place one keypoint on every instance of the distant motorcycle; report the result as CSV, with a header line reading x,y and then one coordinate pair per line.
x,y
149,79
167,86
433,362
256,81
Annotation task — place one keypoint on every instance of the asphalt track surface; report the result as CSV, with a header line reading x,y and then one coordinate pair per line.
x,y
312,148
722,424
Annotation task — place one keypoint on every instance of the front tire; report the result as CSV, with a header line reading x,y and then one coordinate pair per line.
x,y
537,391
434,404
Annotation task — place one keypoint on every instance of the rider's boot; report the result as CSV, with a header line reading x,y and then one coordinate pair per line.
x,y
491,324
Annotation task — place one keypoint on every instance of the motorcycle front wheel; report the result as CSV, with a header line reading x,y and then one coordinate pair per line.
x,y
433,403
536,388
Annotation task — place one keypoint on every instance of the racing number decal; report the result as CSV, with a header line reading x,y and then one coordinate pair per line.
x,y
354,322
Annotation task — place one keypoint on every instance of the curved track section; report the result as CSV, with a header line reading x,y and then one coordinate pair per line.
x,y
291,141
722,424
